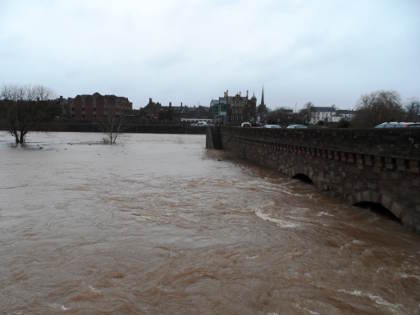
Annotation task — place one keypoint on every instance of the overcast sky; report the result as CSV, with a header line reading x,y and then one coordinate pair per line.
x,y
324,51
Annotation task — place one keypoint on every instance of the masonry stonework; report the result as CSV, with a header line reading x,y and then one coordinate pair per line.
x,y
380,166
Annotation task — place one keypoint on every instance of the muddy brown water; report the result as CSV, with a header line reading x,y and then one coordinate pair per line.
x,y
157,225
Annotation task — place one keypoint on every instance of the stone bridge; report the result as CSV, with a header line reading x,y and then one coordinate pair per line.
x,y
378,166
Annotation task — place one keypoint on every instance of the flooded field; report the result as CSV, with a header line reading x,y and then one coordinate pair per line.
x,y
157,225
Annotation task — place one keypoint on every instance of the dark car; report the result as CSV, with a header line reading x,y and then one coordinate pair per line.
x,y
297,126
395,124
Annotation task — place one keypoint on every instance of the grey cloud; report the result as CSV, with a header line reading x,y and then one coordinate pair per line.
x,y
324,51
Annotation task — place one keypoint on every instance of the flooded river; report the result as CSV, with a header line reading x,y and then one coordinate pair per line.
x,y
157,225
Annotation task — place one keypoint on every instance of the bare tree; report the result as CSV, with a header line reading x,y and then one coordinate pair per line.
x,y
262,111
26,93
305,113
23,108
112,124
413,110
280,116
378,107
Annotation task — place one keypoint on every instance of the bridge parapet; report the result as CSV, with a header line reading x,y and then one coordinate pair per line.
x,y
397,142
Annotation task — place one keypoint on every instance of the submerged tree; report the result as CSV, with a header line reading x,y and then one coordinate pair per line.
x,y
23,108
112,124
378,107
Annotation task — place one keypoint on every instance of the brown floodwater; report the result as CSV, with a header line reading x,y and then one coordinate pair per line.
x,y
158,225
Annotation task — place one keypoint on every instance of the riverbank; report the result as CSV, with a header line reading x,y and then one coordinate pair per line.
x,y
76,126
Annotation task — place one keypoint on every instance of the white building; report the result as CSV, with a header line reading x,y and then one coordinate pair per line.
x,y
343,114
329,114
324,114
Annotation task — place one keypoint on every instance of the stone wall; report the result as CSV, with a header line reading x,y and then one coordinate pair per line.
x,y
370,165
86,126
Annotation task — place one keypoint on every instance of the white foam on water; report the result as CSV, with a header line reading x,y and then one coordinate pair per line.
x,y
353,242
279,222
379,300
94,290
288,192
325,214
59,306
306,310
405,276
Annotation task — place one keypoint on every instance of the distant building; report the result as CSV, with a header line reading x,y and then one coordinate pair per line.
x,y
280,115
324,114
343,114
234,109
93,107
155,112
287,111
219,108
152,110
329,114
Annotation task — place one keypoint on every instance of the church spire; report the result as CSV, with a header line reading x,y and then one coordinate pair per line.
x,y
262,97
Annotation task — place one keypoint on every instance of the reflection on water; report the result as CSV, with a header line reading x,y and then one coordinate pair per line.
x,y
158,225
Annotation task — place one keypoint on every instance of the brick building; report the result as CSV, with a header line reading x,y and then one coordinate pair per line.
x,y
93,107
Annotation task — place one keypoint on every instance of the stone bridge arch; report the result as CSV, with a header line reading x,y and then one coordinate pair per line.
x,y
369,196
300,170
303,178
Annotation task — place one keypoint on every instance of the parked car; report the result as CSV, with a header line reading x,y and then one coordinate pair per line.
x,y
200,124
296,126
390,124
395,124
272,126
246,124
